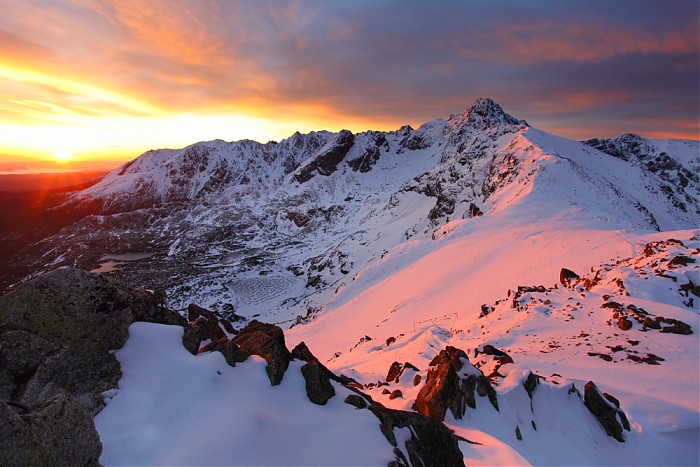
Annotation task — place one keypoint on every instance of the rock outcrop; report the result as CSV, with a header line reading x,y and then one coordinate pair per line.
x,y
266,341
57,431
451,383
429,442
606,410
58,333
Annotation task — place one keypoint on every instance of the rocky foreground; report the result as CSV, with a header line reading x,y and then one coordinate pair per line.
x,y
59,332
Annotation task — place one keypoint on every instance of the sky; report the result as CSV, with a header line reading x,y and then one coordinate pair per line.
x,y
110,79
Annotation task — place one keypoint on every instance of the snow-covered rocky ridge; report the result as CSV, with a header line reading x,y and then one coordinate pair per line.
x,y
274,229
382,248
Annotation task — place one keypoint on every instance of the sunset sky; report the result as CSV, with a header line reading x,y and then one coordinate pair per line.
x,y
110,79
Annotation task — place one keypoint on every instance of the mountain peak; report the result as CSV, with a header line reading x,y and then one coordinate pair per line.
x,y
485,113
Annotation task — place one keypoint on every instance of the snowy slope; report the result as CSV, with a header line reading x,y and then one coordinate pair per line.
x,y
274,229
385,247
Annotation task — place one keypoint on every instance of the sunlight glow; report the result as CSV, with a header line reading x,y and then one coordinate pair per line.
x,y
62,155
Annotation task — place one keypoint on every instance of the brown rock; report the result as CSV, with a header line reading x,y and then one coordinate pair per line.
x,y
624,323
266,341
567,277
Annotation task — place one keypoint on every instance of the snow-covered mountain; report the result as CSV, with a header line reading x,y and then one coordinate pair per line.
x,y
387,247
274,229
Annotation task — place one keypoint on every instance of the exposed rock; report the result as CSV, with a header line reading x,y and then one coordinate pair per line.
x,y
606,410
397,370
395,393
450,386
231,352
326,161
530,383
430,444
302,352
624,323
356,401
57,431
417,379
203,328
318,387
266,341
59,332
677,327
567,277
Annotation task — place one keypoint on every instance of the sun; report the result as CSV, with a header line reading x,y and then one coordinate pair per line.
x,y
62,155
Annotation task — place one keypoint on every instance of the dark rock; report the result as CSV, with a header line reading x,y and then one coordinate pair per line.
x,y
474,210
318,387
201,329
567,277
605,411
531,383
624,323
431,443
195,311
397,370
386,391
266,341
71,321
57,431
231,352
499,355
417,379
394,372
677,327
326,161
681,260
302,352
395,393
446,389
518,435
356,401
606,357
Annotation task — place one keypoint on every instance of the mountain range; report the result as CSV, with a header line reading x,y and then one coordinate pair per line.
x,y
381,250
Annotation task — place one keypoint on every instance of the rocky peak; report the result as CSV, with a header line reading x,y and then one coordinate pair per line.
x,y
484,114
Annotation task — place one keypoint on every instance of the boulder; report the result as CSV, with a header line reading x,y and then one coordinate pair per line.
x,y
624,323
395,371
302,352
356,401
606,410
58,431
201,329
318,387
431,443
266,341
567,277
450,386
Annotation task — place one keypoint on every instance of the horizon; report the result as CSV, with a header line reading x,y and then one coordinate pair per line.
x,y
88,84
